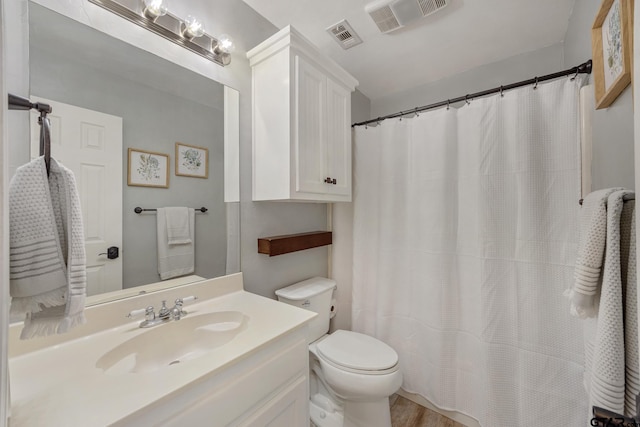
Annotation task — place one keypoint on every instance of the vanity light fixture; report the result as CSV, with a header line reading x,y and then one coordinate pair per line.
x,y
192,28
189,33
155,8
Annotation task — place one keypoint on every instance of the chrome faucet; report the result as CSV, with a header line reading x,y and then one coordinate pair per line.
x,y
164,315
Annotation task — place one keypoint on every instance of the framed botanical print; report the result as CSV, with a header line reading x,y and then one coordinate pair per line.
x,y
148,169
611,44
192,161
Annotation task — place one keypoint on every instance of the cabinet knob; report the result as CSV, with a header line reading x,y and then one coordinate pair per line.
x,y
327,180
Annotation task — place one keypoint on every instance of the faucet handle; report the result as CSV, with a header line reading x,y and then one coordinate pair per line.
x,y
187,299
148,313
180,301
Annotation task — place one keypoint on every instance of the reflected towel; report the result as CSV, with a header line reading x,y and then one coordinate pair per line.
x,y
174,260
178,230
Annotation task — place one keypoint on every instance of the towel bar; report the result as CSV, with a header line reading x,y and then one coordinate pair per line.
x,y
140,210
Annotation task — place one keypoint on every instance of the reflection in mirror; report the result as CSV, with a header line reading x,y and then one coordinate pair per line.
x,y
106,93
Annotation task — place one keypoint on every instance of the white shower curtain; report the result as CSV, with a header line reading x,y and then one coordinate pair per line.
x,y
465,238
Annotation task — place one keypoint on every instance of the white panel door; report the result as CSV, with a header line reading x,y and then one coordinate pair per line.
x,y
309,134
90,144
338,138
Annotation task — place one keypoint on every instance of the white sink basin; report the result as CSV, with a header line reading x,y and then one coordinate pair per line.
x,y
173,342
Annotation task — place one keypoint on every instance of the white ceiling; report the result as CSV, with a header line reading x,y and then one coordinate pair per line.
x,y
463,35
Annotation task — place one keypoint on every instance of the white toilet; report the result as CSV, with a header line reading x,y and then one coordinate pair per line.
x,y
352,374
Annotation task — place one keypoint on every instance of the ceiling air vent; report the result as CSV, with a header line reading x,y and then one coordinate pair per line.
x,y
343,33
427,7
390,15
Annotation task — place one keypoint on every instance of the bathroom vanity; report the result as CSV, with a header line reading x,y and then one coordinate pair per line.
x,y
236,359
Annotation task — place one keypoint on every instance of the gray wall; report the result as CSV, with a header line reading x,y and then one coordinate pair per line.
x,y
613,152
155,125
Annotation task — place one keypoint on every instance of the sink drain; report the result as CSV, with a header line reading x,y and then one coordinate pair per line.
x,y
174,362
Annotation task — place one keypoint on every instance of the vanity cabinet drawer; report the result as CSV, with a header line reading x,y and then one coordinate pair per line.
x,y
288,408
262,385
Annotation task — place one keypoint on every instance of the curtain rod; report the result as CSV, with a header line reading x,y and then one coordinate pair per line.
x,y
584,68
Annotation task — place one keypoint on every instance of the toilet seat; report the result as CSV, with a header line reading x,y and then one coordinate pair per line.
x,y
357,353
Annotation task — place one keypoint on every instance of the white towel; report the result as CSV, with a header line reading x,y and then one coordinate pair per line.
x,y
47,255
591,243
178,230
174,260
605,362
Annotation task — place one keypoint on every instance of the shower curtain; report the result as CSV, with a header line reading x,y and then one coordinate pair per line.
x,y
465,238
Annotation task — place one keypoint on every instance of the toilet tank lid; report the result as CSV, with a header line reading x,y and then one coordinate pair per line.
x,y
307,288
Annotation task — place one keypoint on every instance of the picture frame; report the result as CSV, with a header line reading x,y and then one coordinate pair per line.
x,y
612,50
147,169
192,161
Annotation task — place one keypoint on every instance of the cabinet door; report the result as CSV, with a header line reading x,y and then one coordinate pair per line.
x,y
309,128
338,138
289,408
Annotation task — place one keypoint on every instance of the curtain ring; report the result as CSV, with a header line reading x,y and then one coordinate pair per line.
x,y
416,111
501,92
448,103
466,99
536,85
576,75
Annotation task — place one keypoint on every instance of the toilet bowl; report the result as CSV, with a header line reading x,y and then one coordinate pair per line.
x,y
351,375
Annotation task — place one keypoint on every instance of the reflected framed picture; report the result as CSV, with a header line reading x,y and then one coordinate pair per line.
x,y
611,45
192,161
148,169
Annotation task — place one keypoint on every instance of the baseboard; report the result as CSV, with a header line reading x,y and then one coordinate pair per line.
x,y
456,416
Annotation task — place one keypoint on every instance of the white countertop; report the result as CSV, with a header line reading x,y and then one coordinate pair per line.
x,y
60,385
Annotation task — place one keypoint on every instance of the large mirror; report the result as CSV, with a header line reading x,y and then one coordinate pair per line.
x,y
115,94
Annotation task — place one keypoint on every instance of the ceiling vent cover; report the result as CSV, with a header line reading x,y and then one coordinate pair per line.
x,y
344,34
389,15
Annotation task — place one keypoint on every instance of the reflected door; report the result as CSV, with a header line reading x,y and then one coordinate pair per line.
x,y
90,144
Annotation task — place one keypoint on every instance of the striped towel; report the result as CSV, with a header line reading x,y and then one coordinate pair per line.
x,y
611,347
47,255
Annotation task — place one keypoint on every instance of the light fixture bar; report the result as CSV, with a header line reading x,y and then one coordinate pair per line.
x,y
167,26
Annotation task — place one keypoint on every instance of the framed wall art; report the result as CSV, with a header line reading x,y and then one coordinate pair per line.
x,y
148,169
192,161
611,45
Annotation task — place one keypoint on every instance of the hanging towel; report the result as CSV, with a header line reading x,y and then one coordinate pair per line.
x,y
178,230
606,367
630,295
47,255
591,244
174,260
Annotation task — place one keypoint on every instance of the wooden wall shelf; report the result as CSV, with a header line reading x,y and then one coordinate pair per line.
x,y
279,245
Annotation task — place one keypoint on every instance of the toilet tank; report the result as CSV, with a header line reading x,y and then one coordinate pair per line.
x,y
312,294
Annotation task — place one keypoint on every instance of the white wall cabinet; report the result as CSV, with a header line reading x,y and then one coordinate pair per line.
x,y
301,104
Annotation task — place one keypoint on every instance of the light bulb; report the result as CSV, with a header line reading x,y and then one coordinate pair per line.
x,y
225,44
192,27
155,8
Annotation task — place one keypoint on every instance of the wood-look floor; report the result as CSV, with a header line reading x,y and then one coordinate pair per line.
x,y
405,413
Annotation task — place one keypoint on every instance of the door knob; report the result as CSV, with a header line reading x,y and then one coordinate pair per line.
x,y
112,252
